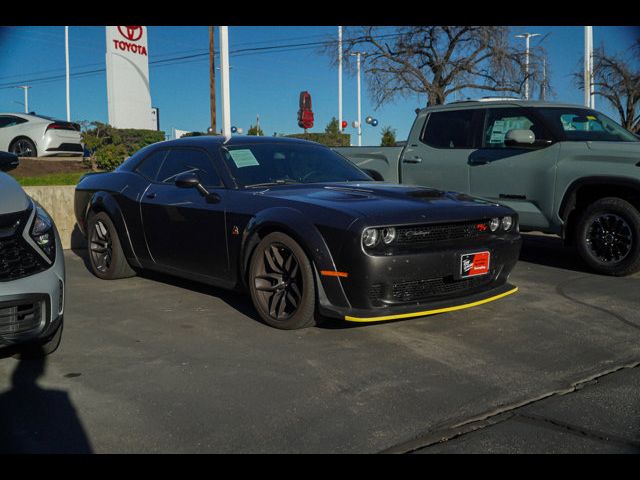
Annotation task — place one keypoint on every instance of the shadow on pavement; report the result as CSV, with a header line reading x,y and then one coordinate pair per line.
x,y
550,251
37,420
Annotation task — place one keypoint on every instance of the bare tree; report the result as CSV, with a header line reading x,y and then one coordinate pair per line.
x,y
437,61
616,79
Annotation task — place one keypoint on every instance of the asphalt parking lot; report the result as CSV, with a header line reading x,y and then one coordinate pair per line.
x,y
157,365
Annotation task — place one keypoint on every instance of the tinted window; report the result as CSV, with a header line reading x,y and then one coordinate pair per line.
x,y
582,124
289,162
500,120
449,129
182,160
9,121
150,165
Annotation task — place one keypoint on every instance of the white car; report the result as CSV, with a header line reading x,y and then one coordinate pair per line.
x,y
35,135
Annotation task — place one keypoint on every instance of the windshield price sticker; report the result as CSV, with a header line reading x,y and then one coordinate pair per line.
x,y
243,158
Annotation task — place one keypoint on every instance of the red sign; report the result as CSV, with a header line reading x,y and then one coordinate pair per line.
x,y
132,34
305,114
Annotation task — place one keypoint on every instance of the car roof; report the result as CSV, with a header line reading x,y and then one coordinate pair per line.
x,y
491,102
211,140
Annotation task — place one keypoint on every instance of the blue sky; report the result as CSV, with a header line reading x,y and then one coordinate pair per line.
x,y
265,83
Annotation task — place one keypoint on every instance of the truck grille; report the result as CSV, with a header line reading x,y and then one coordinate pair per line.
x,y
20,318
18,259
430,234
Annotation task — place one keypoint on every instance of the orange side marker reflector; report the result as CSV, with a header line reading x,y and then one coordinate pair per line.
x,y
332,273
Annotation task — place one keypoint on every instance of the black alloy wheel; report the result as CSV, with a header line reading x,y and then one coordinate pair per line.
x,y
281,283
106,257
23,147
608,236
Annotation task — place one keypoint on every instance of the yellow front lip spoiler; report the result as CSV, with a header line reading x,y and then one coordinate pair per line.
x,y
430,312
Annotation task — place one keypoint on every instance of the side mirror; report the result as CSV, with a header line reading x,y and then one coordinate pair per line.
x,y
8,161
517,137
191,180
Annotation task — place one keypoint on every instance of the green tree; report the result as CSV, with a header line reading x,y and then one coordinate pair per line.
x,y
388,137
255,130
332,127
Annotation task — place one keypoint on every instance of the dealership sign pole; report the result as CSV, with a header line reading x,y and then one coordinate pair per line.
x,y
589,96
224,80
340,78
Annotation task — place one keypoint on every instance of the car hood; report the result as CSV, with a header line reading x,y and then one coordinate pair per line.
x,y
388,203
12,197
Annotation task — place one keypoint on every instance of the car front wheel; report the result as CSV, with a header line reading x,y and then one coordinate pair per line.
x,y
281,283
106,257
608,237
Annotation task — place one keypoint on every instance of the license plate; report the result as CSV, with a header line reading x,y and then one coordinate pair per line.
x,y
474,264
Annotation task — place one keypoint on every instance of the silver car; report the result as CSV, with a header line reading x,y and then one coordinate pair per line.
x,y
32,271
35,135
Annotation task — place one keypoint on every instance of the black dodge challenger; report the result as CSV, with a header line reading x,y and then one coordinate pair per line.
x,y
306,232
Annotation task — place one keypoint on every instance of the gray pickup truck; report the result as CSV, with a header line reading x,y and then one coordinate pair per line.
x,y
565,169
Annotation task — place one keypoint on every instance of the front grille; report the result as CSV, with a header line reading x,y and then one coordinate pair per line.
x,y
18,259
435,287
429,234
20,318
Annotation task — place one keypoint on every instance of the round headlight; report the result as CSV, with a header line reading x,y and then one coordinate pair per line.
x,y
388,235
370,237
507,223
494,224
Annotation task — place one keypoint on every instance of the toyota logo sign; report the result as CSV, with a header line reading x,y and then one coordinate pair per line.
x,y
131,33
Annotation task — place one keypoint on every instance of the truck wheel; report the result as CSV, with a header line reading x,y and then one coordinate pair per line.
x,y
106,257
281,283
608,237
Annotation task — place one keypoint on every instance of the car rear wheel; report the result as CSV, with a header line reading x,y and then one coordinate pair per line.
x,y
106,257
281,283
608,237
23,147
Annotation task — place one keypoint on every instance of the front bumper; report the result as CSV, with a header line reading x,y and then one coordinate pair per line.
x,y
418,283
32,308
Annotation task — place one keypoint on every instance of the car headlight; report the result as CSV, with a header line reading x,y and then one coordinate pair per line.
x,y
507,223
42,233
388,235
370,237
494,224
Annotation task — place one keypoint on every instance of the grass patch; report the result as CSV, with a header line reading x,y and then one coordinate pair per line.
x,y
71,178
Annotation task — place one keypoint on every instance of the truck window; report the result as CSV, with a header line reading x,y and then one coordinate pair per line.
x,y
583,125
449,129
500,120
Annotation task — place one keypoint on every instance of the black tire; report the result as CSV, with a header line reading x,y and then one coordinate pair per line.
x,y
283,294
23,147
41,349
608,237
106,257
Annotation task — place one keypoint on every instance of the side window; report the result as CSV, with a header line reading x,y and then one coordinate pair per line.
x,y
9,121
500,120
448,130
151,164
181,160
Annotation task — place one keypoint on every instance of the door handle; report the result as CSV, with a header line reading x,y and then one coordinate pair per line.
x,y
412,160
151,195
478,161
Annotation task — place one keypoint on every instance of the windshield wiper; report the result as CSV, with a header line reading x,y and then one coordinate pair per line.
x,y
280,181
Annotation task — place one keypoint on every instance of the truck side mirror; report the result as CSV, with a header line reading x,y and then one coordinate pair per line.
x,y
8,161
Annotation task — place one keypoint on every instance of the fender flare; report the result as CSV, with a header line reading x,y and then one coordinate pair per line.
x,y
102,201
293,223
569,198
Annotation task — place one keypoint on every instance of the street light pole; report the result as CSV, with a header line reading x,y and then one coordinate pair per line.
x,y
26,97
589,94
212,82
66,55
357,55
527,36
340,78
224,81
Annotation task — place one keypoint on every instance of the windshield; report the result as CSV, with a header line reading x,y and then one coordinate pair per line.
x,y
582,124
275,163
